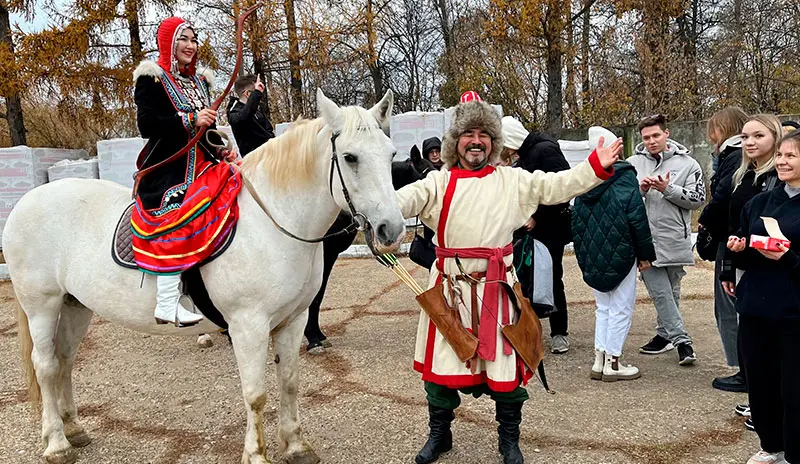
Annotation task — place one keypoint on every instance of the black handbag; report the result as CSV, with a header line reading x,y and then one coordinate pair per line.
x,y
705,245
422,251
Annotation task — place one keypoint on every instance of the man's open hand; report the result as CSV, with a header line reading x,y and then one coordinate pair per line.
x,y
608,155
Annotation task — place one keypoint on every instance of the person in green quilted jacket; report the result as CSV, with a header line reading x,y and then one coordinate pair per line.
x,y
612,239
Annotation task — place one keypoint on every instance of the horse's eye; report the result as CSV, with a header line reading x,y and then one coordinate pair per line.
x,y
350,158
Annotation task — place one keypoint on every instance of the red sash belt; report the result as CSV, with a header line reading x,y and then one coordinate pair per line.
x,y
495,271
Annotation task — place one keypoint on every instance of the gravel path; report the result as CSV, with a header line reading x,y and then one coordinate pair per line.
x,y
147,399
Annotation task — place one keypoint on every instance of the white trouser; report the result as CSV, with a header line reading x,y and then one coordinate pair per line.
x,y
614,315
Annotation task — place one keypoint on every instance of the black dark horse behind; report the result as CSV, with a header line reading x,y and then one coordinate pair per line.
x,y
403,173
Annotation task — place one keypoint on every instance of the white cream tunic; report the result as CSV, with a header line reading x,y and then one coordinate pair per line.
x,y
481,208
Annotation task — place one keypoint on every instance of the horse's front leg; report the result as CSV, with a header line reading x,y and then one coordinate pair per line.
x,y
287,341
250,336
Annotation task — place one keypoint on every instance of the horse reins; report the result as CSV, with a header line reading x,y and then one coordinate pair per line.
x,y
214,106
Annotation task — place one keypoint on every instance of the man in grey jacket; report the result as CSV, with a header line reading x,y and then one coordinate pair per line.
x,y
671,182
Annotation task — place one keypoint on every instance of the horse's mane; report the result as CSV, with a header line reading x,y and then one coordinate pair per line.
x,y
290,160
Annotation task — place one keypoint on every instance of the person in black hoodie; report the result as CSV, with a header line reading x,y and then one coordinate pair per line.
x,y
250,125
725,132
768,303
432,151
549,224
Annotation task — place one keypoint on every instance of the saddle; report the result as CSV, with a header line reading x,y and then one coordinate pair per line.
x,y
122,253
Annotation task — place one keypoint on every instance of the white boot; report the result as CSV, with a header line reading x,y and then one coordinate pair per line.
x,y
169,309
614,370
599,363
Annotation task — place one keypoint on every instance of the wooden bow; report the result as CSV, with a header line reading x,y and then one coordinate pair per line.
x,y
214,106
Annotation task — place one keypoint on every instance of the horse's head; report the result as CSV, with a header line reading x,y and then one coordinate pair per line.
x,y
364,155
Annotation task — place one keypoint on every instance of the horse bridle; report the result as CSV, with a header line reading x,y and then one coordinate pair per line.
x,y
359,222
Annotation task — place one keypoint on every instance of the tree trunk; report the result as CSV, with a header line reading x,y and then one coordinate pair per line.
x,y
585,83
296,82
259,61
372,56
132,16
554,24
16,123
571,95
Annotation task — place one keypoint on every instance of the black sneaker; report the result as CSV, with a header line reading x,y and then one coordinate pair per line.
x,y
686,354
742,410
733,383
748,424
657,345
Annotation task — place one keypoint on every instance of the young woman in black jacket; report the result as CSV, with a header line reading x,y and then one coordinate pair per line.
x,y
725,132
768,302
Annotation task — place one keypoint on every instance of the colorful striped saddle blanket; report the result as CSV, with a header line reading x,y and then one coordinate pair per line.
x,y
122,245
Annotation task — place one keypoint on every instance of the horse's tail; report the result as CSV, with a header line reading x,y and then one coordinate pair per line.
x,y
26,350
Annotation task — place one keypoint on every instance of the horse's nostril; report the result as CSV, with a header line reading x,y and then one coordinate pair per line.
x,y
382,236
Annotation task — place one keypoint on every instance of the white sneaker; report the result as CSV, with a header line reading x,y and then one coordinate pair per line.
x,y
613,370
169,310
559,344
597,367
762,457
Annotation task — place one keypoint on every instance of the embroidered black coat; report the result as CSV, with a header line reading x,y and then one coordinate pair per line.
x,y
166,118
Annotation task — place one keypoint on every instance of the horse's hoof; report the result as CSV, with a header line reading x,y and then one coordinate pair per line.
x,y
63,457
315,348
79,440
326,343
255,460
307,456
205,341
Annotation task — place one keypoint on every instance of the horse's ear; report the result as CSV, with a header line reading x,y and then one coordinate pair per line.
x,y
383,110
415,155
329,111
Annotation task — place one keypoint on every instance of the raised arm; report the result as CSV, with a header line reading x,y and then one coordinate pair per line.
x,y
558,187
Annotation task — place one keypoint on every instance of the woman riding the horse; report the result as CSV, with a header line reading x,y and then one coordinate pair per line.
x,y
185,206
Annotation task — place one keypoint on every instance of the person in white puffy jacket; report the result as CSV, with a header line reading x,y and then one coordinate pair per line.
x,y
671,182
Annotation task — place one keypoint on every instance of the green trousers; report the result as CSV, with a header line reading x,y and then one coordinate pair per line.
x,y
447,398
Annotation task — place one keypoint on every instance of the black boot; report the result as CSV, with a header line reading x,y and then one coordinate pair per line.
x,y
440,439
509,416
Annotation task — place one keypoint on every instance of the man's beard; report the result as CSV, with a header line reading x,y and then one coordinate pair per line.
x,y
475,159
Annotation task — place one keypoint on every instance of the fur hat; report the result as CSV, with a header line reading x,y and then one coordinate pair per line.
x,y
472,113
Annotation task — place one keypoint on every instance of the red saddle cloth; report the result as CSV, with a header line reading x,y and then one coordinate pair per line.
x,y
169,241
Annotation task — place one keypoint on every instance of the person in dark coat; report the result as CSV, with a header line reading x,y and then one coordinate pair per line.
x,y
768,303
612,239
725,132
250,125
432,151
549,224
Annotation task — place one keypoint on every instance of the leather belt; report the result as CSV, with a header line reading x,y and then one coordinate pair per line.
x,y
473,293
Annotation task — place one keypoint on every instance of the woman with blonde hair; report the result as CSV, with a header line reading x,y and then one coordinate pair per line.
x,y
756,173
724,130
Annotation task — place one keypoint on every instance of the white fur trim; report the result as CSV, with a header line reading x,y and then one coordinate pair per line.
x,y
147,68
208,74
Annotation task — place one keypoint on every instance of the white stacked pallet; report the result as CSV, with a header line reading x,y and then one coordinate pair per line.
x,y
117,159
81,169
409,129
23,168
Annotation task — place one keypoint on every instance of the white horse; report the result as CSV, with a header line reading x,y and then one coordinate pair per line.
x,y
57,243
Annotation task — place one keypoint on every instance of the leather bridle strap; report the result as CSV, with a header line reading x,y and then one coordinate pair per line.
x,y
214,106
359,221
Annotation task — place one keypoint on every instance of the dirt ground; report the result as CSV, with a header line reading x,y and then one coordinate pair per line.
x,y
147,399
